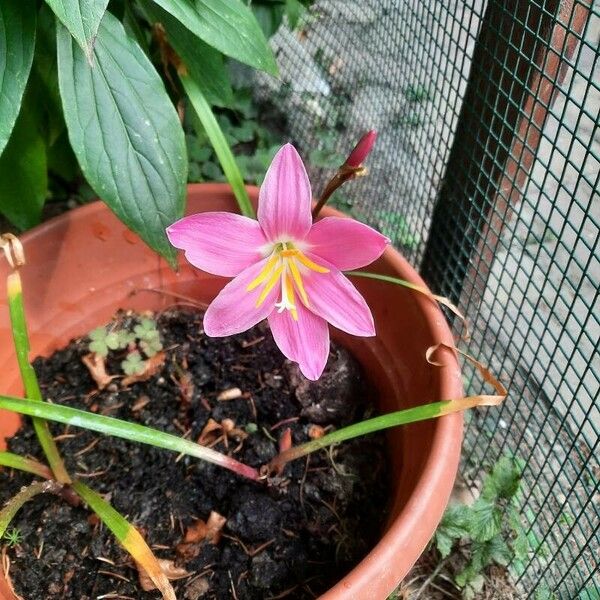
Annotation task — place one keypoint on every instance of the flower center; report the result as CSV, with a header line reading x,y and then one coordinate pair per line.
x,y
286,265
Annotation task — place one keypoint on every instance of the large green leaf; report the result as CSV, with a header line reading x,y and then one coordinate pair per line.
x,y
124,131
205,65
82,19
23,180
17,42
228,26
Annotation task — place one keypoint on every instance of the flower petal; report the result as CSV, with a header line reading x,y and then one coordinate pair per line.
x,y
220,243
333,297
234,309
284,202
346,243
305,341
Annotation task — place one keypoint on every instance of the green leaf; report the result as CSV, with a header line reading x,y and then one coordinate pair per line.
x,y
443,543
82,19
503,481
123,429
486,520
23,177
17,43
455,522
124,131
227,25
205,65
217,139
294,10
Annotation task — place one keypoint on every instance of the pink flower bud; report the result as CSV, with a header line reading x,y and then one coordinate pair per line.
x,y
362,149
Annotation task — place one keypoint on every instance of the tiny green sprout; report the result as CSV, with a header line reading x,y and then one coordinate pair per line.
x,y
98,342
103,340
133,364
13,537
147,332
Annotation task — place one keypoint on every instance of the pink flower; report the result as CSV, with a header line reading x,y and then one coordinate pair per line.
x,y
285,268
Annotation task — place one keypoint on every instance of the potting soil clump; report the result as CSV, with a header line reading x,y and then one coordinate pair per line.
x,y
219,535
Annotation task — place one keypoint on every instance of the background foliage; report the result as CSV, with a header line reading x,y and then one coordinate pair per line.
x,y
91,90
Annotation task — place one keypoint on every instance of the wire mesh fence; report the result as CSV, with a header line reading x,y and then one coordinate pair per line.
x,y
485,175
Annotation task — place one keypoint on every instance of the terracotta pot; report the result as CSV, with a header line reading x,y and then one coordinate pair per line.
x,y
85,264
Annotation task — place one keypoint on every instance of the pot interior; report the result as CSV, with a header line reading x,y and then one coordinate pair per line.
x,y
84,265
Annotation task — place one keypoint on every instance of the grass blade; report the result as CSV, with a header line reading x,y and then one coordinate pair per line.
x,y
129,537
219,143
123,429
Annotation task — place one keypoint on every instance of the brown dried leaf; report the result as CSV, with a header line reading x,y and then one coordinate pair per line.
x,y
97,367
152,366
315,432
486,374
211,432
200,532
285,441
169,568
196,532
214,526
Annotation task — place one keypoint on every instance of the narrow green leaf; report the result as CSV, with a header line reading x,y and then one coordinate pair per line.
x,y
124,131
23,177
17,43
14,461
128,536
82,19
205,65
227,25
219,143
123,429
20,336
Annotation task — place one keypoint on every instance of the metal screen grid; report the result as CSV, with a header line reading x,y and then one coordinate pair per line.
x,y
503,210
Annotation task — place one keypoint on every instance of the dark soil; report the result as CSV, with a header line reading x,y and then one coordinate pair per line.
x,y
293,538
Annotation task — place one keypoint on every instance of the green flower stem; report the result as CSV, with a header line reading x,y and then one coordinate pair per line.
x,y
30,382
219,143
24,495
14,461
123,429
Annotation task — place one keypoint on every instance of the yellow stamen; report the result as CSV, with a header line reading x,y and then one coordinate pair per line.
x,y
266,271
310,264
269,285
290,292
298,280
288,253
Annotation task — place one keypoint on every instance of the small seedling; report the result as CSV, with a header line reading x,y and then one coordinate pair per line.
x,y
147,333
103,340
13,537
133,364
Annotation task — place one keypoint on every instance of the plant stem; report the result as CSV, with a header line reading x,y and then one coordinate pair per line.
x,y
30,382
25,494
219,143
128,431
